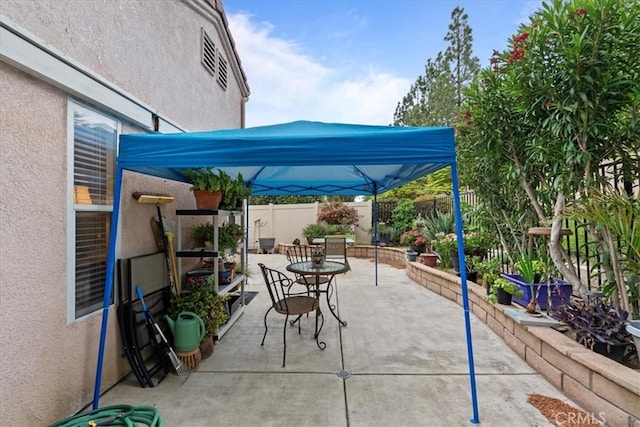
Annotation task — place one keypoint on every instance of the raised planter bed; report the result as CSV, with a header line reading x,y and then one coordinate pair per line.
x,y
559,291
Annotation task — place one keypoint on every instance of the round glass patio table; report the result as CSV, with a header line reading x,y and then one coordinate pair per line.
x,y
327,268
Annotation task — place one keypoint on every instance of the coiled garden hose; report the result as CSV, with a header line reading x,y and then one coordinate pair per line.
x,y
116,415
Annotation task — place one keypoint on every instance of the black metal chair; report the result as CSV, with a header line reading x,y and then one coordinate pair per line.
x,y
299,253
287,303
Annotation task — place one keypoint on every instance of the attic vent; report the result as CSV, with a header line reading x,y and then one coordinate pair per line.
x,y
222,72
209,53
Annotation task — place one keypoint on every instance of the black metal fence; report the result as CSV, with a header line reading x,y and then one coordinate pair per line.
x,y
426,208
579,244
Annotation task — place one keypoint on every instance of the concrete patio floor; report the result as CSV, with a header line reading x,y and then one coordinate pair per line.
x,y
404,347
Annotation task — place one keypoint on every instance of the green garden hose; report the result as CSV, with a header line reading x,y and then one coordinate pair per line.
x,y
116,415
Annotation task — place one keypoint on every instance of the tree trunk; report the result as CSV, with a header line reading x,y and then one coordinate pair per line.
x,y
558,255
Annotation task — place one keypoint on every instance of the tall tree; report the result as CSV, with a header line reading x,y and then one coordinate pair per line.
x,y
434,97
563,99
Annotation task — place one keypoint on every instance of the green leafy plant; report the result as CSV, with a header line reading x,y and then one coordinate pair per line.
x,y
234,190
530,269
559,102
506,286
443,245
204,302
207,179
403,215
228,236
314,231
413,237
442,222
200,233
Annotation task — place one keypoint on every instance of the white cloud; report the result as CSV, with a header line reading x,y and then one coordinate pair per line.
x,y
287,84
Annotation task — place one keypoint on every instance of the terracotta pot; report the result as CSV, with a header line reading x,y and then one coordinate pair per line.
x,y
206,346
429,260
207,199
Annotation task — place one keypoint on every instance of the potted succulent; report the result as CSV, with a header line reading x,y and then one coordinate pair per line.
x,y
208,305
314,231
502,291
599,327
207,186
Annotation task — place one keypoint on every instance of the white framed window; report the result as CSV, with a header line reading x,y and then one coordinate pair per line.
x,y
92,147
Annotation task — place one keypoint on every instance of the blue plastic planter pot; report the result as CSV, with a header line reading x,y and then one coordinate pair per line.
x,y
411,255
562,286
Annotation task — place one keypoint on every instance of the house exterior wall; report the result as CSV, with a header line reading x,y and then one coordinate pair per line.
x,y
148,55
152,47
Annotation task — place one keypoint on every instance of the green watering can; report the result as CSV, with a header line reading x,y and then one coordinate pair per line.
x,y
188,330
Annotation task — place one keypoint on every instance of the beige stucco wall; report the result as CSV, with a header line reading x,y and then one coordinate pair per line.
x,y
151,51
285,222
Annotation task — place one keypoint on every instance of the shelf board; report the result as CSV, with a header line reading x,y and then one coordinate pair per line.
x,y
198,212
196,253
223,290
233,319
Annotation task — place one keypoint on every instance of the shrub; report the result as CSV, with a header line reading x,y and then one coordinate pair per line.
x,y
337,213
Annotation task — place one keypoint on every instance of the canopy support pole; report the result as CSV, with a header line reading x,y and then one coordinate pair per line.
x,y
465,291
108,285
375,228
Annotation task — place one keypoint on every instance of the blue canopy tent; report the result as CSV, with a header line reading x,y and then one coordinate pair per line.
x,y
298,158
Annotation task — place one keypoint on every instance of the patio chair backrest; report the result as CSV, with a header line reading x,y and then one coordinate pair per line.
x,y
278,285
335,248
298,253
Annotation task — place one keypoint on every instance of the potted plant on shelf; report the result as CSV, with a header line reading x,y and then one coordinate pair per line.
x,y
599,327
314,231
201,235
208,305
207,186
234,192
229,234
502,291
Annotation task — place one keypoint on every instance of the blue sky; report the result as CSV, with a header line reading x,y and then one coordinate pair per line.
x,y
351,61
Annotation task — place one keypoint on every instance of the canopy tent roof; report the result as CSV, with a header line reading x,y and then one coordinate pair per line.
x,y
306,158
300,158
